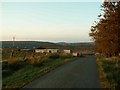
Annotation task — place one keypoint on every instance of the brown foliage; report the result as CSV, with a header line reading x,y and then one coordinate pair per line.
x,y
106,33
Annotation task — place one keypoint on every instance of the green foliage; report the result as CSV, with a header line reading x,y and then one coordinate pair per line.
x,y
112,73
9,69
30,72
54,56
16,65
18,73
4,65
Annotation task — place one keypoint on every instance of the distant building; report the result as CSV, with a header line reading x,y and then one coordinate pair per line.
x,y
88,52
46,50
40,50
26,50
52,50
67,51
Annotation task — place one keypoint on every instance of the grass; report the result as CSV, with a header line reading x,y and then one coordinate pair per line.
x,y
22,72
109,71
6,54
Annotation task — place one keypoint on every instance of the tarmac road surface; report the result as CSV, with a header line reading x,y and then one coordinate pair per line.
x,y
80,73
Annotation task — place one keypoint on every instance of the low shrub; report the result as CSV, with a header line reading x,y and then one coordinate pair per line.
x,y
7,72
64,56
67,60
15,63
31,68
4,65
37,60
112,73
54,56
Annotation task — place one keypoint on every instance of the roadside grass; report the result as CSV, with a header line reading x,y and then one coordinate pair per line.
x,y
18,74
109,71
6,54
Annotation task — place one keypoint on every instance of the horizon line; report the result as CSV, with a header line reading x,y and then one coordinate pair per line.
x,y
50,41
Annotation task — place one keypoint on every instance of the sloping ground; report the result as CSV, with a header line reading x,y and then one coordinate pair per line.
x,y
39,44
81,73
29,44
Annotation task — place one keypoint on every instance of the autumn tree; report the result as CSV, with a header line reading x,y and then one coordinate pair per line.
x,y
106,32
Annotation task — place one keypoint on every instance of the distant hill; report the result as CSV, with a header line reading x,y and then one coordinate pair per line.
x,y
77,44
81,46
39,44
29,44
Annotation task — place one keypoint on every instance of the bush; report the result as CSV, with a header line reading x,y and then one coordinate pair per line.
x,y
37,60
7,72
16,65
112,73
4,65
64,56
54,56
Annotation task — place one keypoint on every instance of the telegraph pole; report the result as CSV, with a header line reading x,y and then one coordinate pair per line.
x,y
13,42
13,45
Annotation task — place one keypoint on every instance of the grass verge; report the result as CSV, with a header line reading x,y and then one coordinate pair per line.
x,y
17,78
109,71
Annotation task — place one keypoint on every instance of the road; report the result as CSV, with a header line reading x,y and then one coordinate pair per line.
x,y
81,73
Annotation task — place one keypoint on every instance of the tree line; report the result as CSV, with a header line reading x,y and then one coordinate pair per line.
x,y
106,31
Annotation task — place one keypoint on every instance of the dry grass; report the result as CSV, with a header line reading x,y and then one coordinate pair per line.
x,y
103,81
109,72
30,68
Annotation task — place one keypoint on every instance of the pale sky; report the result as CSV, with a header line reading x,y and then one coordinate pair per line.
x,y
49,21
